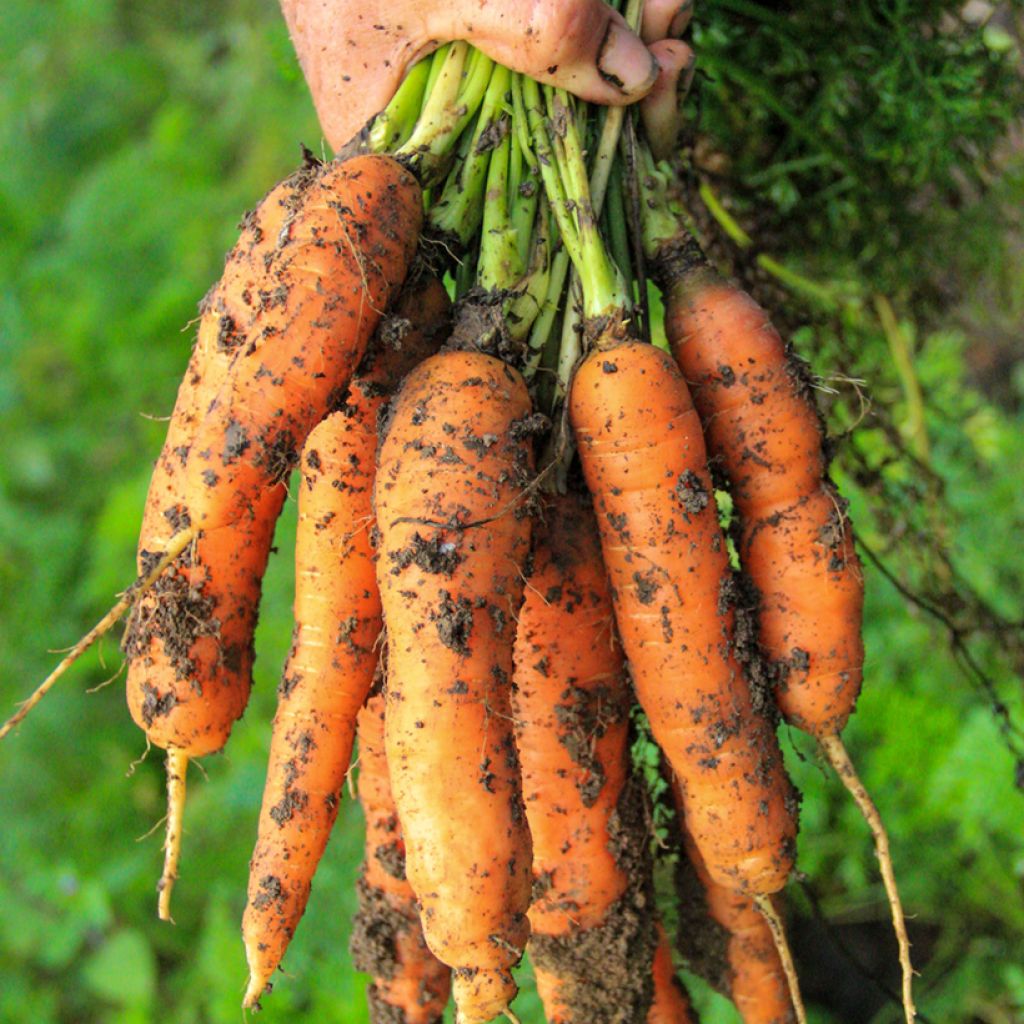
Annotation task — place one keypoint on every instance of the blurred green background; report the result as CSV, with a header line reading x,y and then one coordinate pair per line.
x,y
872,147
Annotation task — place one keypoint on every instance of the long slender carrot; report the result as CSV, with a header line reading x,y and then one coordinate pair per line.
x,y
452,479
644,461
724,938
410,985
318,262
794,538
592,916
337,626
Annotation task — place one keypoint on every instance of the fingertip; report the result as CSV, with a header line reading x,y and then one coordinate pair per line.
x,y
664,19
661,109
625,64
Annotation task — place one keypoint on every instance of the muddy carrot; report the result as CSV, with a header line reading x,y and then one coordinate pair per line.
x,y
337,628
410,985
593,936
451,500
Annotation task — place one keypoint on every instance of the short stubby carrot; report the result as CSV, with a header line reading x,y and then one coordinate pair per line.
x,y
644,461
593,936
410,985
337,627
725,939
794,540
452,488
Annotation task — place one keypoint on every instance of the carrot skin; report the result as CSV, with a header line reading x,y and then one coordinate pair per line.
x,y
671,1004
211,583
337,628
795,540
644,461
410,985
336,266
454,535
725,939
592,921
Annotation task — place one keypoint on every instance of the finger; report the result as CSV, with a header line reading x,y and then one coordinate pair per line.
x,y
665,19
583,46
352,67
661,109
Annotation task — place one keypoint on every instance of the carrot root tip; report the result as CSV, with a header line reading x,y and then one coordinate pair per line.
x,y
768,912
838,757
177,767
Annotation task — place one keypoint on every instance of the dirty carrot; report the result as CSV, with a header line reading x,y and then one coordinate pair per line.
x,y
794,538
452,509
592,928
644,461
211,590
725,939
337,627
292,317
410,985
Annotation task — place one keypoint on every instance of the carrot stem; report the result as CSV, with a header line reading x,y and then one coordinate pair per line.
x,y
451,104
395,123
766,907
461,205
839,758
175,546
177,768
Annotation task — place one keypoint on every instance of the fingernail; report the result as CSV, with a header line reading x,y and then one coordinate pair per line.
x,y
681,19
624,62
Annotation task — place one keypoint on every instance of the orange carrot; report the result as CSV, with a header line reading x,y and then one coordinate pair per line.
x,y
644,461
336,265
337,626
593,937
410,985
794,538
195,625
724,938
671,1004
453,473
301,294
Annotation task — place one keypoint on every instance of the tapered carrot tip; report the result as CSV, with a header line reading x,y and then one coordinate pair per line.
x,y
258,984
483,994
177,767
770,914
837,755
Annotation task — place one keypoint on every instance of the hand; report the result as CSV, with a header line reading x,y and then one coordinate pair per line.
x,y
354,53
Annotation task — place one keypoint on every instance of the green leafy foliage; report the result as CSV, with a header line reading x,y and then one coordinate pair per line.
x,y
850,139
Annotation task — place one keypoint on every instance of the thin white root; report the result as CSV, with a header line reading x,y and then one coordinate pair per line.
x,y
177,767
175,546
837,755
768,912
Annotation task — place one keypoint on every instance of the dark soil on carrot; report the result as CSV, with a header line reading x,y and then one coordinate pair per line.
x,y
607,969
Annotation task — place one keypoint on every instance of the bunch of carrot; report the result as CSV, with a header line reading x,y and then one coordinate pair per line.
x,y
508,549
